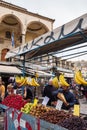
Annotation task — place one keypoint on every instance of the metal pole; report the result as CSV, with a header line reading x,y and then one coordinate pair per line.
x,y
23,62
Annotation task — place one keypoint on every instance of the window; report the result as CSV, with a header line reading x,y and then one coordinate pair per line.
x,y
8,34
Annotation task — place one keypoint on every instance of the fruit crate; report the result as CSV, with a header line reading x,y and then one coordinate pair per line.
x,y
16,120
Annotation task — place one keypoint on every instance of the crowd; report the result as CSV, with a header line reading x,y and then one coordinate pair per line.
x,y
64,93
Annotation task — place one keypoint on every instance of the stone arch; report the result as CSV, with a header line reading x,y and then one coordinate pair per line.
x,y
6,15
11,23
3,53
35,29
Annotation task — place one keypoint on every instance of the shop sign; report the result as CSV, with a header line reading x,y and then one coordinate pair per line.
x,y
77,25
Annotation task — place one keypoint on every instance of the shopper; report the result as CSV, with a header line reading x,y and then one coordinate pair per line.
x,y
66,96
2,90
28,94
48,90
9,90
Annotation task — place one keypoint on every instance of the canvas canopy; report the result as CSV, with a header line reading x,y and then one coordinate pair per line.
x,y
9,70
67,35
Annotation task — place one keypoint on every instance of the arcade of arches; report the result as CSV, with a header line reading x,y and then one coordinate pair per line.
x,y
25,27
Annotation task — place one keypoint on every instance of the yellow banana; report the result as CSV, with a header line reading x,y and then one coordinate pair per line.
x,y
63,81
76,80
55,82
32,82
23,81
80,78
35,83
18,79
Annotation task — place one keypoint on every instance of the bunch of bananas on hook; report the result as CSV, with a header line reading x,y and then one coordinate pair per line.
x,y
34,82
22,81
79,78
63,81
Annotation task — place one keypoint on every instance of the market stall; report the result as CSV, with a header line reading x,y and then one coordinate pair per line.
x,y
70,34
40,117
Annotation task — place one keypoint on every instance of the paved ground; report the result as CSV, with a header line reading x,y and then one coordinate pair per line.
x,y
83,111
1,122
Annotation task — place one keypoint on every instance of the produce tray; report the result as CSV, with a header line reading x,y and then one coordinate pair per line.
x,y
15,120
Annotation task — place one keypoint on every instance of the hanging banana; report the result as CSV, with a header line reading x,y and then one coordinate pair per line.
x,y
76,80
34,83
63,81
80,78
18,79
55,82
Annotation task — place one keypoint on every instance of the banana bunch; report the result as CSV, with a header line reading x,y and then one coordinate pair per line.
x,y
63,81
28,82
55,82
79,78
21,80
34,82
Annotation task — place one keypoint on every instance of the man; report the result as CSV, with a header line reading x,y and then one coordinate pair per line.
x,y
66,96
2,90
48,90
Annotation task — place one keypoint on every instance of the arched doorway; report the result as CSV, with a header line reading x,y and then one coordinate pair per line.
x,y
3,53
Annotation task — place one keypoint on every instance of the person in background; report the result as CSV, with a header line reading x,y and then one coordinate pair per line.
x,y
2,90
66,96
48,90
20,89
28,94
9,90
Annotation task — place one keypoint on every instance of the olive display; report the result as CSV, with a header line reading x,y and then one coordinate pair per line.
x,y
55,116
52,115
74,123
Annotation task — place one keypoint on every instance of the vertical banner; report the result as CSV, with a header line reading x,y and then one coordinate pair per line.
x,y
12,39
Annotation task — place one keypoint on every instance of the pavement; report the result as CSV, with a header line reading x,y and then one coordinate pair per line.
x,y
1,121
83,112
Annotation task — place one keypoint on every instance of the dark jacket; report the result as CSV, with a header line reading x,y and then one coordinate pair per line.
x,y
48,90
69,96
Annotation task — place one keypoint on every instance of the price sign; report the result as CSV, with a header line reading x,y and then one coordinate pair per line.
x,y
16,123
76,110
22,123
35,102
59,104
45,100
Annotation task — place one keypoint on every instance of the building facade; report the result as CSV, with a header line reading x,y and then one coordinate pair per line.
x,y
21,24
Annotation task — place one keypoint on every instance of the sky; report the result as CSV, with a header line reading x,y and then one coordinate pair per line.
x,y
62,11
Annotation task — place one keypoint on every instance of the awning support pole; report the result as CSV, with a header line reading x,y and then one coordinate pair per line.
x,y
23,62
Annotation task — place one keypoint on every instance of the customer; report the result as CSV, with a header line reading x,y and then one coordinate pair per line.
x,y
2,90
28,93
48,90
9,90
66,96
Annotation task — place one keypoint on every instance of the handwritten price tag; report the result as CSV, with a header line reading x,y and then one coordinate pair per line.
x,y
59,104
45,100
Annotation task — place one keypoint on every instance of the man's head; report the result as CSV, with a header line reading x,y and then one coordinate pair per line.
x,y
50,82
